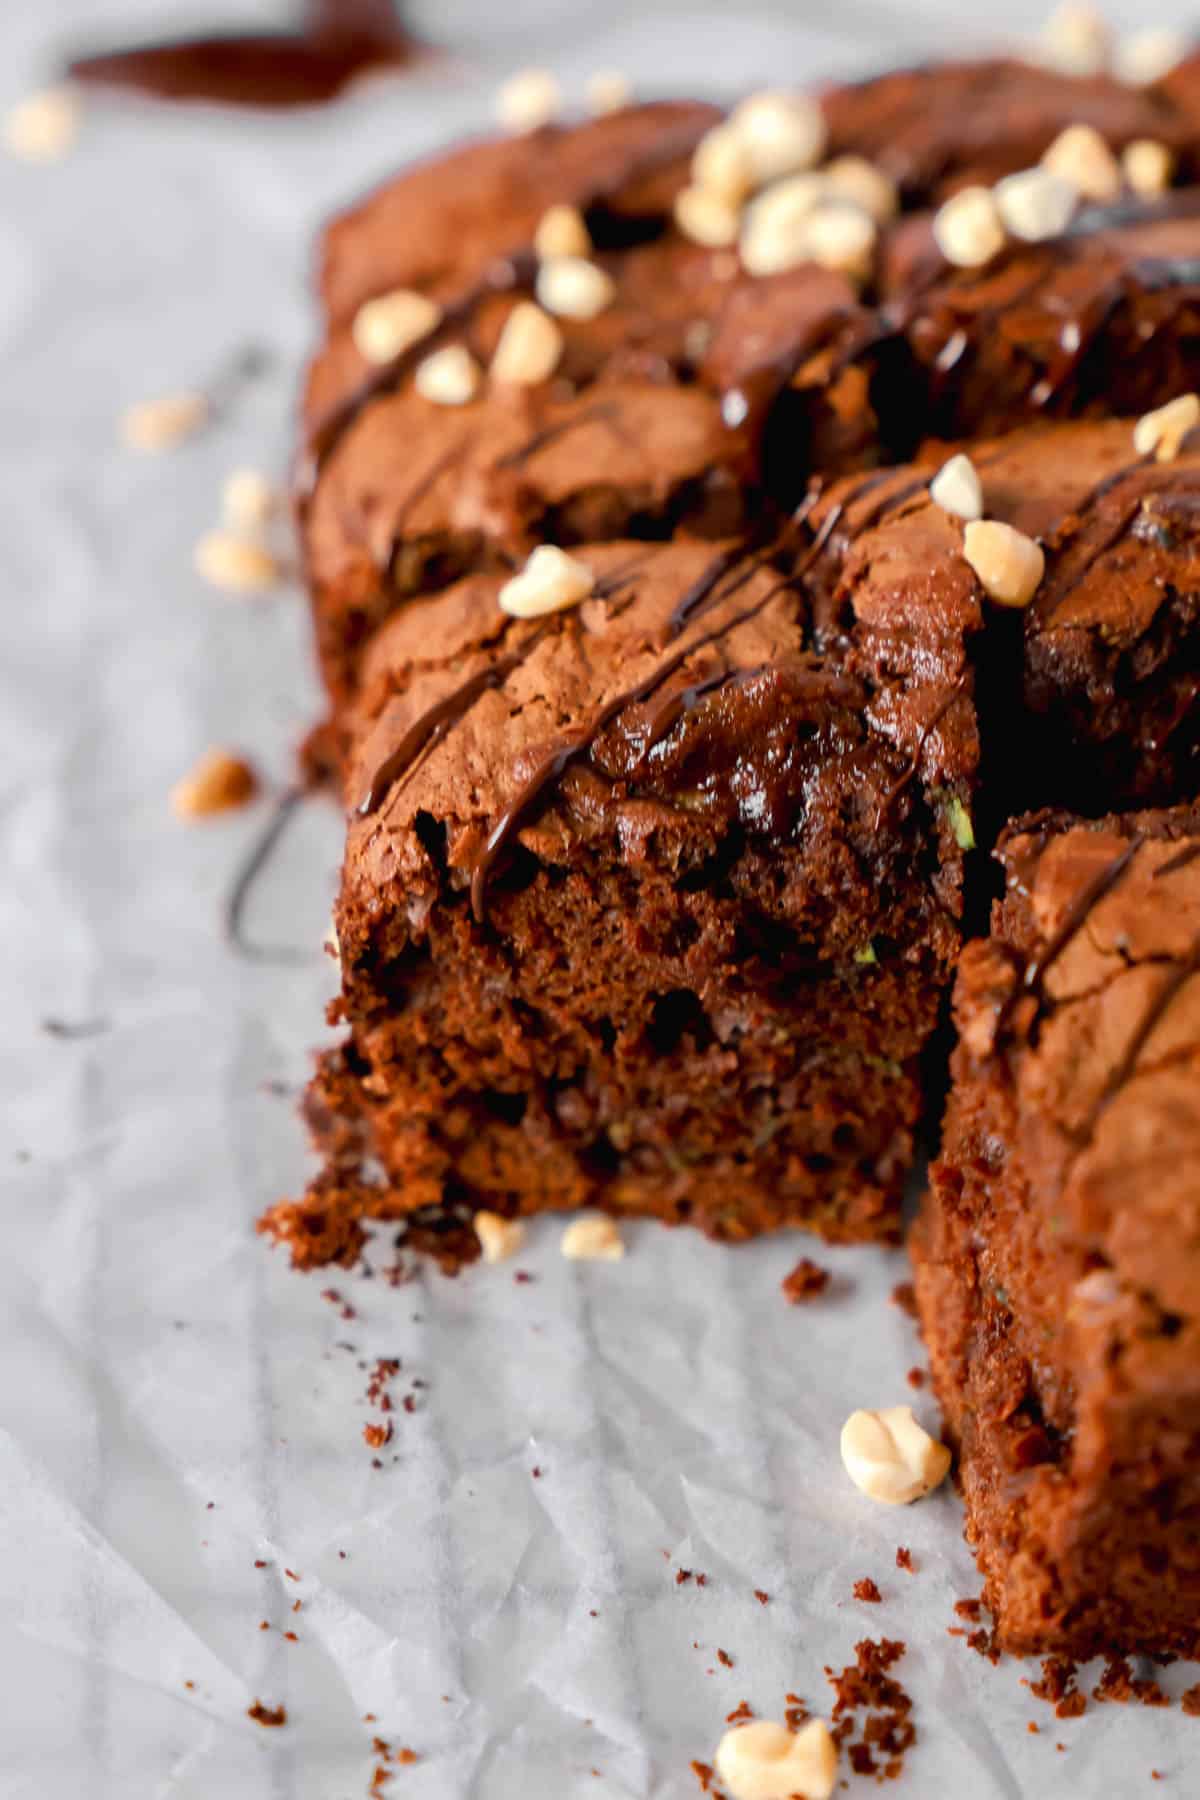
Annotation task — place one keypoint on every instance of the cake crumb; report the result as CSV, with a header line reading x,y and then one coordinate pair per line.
x,y
805,1282
866,1589
761,1595
904,1295
725,1660
267,1715
904,1559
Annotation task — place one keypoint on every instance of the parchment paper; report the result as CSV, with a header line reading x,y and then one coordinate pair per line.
x,y
180,1416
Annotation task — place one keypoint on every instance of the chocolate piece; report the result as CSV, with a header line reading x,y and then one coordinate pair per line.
x,y
1057,1248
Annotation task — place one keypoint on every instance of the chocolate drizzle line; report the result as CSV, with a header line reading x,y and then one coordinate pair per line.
x,y
1073,921
255,861
1180,860
1153,1016
443,715
556,763
337,41
910,774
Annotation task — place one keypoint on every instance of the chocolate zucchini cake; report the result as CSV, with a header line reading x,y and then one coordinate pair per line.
x,y
1057,1254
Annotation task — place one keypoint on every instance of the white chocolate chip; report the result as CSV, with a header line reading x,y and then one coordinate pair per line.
x,y
1009,565
892,1458
1162,431
550,581
1146,56
766,1761
842,238
384,328
235,564
529,348
574,288
499,1238
967,228
957,489
43,127
561,232
775,225
450,377
781,133
1075,40
219,782
248,500
860,183
1035,204
608,91
721,164
1080,155
529,100
1148,166
161,424
593,1239
706,217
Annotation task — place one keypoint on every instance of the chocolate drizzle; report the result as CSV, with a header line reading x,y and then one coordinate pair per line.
x,y
1161,1004
433,724
338,40
1033,982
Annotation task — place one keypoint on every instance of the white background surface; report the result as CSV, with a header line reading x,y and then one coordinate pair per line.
x,y
173,1405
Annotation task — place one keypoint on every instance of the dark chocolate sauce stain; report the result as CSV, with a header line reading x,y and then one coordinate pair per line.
x,y
73,1030
1033,982
338,40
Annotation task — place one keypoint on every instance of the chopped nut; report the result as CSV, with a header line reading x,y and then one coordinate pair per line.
x,y
1036,204
384,328
499,1238
248,499
1008,564
1076,40
1148,166
608,91
968,228
529,100
721,164
529,347
892,1458
957,489
562,232
706,217
781,133
594,1239
842,238
1146,56
1162,431
574,288
775,226
449,377
219,782
550,582
1080,155
161,424
43,127
861,183
236,564
766,1761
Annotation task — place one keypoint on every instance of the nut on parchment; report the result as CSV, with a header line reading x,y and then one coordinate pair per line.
x,y
592,1239
766,1761
499,1238
219,782
890,1457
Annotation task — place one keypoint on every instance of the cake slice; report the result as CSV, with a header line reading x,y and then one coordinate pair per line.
x,y
1057,1254
648,904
